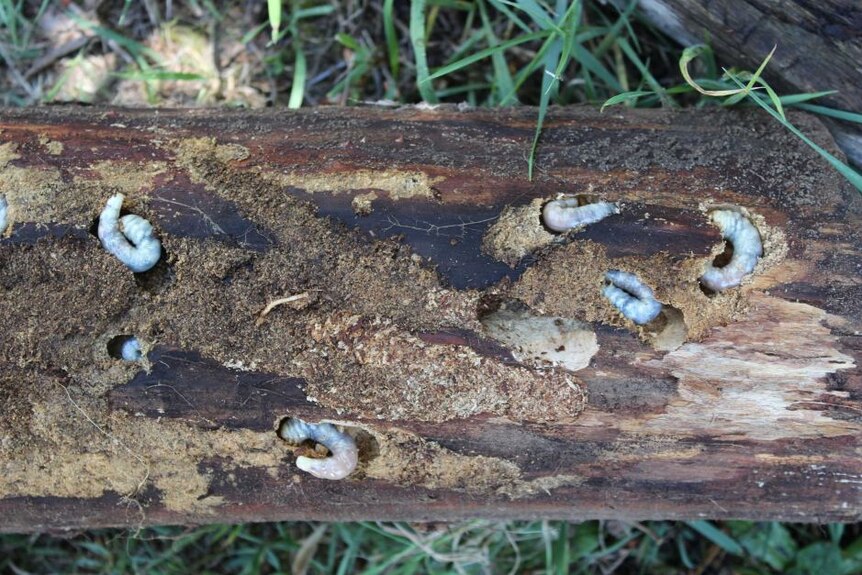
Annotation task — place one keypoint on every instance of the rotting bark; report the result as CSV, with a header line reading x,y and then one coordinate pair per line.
x,y
382,229
819,46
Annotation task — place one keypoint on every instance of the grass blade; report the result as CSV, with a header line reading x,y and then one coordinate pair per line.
x,y
717,536
832,112
274,11
691,53
391,38
799,98
852,175
502,77
482,54
297,88
624,97
417,39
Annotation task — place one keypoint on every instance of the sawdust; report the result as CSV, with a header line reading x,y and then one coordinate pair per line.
x,y
206,296
407,459
33,194
362,204
396,184
127,177
54,147
518,232
376,369
8,152
568,282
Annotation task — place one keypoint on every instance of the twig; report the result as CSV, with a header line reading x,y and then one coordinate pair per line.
x,y
277,302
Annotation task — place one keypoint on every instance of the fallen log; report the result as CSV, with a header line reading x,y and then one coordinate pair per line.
x,y
388,270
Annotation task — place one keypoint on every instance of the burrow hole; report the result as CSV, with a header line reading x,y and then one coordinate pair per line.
x,y
719,261
125,347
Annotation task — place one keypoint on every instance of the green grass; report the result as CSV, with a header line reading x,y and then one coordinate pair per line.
x,y
486,53
468,547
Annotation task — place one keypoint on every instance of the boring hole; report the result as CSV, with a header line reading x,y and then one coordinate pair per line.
x,y
487,305
719,261
724,257
125,347
669,328
157,277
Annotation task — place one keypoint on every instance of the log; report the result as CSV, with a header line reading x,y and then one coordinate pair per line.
x,y
387,270
819,46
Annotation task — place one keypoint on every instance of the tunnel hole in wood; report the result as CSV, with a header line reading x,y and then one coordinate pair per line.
x,y
719,261
669,329
125,347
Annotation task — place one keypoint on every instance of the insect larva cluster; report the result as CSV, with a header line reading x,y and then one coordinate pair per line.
x,y
634,299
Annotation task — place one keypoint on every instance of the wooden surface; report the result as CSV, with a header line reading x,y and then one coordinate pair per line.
x,y
756,414
819,46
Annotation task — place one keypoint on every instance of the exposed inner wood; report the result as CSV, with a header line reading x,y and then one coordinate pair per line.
x,y
355,266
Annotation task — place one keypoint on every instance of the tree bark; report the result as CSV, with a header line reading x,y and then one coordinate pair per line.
x,y
418,302
819,46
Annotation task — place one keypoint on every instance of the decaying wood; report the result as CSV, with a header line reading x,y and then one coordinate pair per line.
x,y
386,269
819,46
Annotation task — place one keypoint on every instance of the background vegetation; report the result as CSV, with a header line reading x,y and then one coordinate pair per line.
x,y
382,52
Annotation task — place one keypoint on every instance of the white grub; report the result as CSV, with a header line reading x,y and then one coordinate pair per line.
x,y
135,245
4,209
747,248
631,296
565,214
344,456
130,349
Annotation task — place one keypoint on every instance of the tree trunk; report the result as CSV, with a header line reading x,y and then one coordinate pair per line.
x,y
388,270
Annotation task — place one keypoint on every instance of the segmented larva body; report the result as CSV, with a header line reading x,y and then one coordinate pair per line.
x,y
565,214
344,456
130,350
747,248
135,245
631,296
4,209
